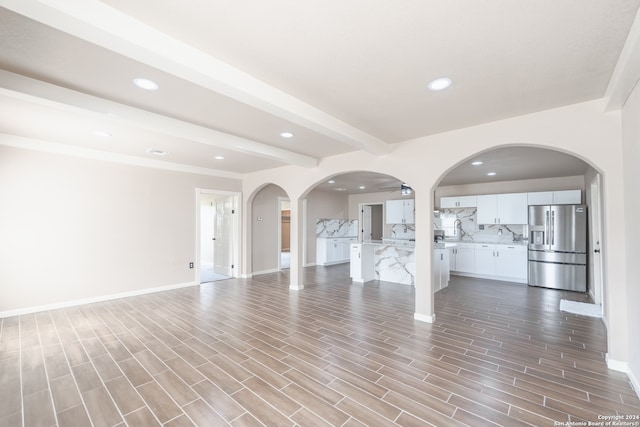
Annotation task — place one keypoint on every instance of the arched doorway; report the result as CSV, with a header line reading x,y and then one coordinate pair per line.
x,y
520,169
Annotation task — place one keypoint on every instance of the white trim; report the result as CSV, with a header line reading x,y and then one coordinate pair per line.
x,y
258,273
617,365
236,231
424,317
36,309
296,288
310,264
87,153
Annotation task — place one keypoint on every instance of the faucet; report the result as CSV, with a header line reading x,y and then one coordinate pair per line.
x,y
457,228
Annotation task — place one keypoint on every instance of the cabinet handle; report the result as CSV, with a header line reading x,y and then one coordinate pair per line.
x,y
441,257
498,254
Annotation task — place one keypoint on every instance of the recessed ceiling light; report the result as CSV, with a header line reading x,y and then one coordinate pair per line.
x,y
145,84
491,173
286,134
362,187
219,157
439,84
340,189
157,152
331,182
476,163
103,133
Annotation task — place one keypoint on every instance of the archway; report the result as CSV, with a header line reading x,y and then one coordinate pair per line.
x,y
520,169
263,225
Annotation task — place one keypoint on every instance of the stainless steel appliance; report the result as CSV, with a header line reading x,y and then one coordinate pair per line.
x,y
558,247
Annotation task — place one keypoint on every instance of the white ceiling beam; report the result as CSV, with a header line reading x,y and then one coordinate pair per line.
x,y
25,143
46,94
105,26
627,72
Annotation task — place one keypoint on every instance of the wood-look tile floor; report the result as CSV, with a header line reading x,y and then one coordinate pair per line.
x,y
251,352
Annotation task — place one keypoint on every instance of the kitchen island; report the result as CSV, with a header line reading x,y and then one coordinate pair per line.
x,y
390,260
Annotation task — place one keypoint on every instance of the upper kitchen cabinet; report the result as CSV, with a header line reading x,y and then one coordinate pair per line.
x,y
566,197
509,208
458,202
400,211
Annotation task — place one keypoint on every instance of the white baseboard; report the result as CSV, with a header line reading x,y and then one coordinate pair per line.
x,y
424,317
619,366
29,310
310,264
257,273
296,288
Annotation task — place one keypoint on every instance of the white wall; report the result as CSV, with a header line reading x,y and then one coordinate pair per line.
x,y
74,228
631,150
264,239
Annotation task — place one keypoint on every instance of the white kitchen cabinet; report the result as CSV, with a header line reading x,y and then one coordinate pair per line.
x,y
501,262
462,258
362,266
458,202
540,198
511,262
511,208
485,262
565,197
440,269
333,250
400,211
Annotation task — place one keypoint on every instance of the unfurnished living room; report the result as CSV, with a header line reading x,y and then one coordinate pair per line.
x,y
328,213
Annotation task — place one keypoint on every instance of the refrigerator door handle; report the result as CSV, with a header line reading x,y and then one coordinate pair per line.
x,y
546,228
553,227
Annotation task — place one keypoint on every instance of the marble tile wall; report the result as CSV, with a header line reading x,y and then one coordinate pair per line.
x,y
403,231
470,231
395,264
326,227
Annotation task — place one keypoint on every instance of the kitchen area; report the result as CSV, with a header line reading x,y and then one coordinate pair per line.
x,y
487,236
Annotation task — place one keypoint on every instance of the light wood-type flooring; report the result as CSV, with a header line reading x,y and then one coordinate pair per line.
x,y
250,352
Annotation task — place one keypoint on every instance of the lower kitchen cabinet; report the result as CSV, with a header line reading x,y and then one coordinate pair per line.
x,y
491,261
511,262
333,250
485,259
462,258
440,269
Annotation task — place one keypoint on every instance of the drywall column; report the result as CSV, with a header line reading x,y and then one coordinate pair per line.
x,y
297,244
424,310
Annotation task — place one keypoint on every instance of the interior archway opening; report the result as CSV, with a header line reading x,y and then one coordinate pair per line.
x,y
536,177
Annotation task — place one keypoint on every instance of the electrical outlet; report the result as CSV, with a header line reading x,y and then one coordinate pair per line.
x,y
190,265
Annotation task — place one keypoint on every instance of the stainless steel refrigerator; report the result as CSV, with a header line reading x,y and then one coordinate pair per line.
x,y
558,247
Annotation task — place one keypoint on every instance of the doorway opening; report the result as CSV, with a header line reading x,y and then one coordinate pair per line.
x,y
284,241
218,233
371,218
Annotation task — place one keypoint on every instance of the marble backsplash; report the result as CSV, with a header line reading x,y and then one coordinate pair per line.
x,y
403,231
470,231
336,227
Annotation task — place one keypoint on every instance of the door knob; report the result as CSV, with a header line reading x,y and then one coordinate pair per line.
x,y
597,251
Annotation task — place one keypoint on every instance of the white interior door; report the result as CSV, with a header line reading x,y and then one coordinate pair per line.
x,y
223,242
366,223
596,246
207,219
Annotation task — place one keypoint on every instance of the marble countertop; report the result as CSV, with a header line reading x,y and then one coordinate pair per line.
x,y
391,242
492,242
